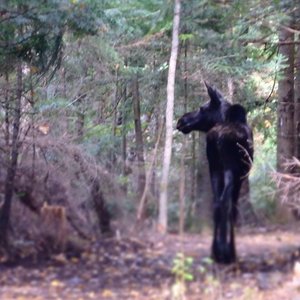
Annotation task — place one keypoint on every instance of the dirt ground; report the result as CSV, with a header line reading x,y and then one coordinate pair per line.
x,y
131,268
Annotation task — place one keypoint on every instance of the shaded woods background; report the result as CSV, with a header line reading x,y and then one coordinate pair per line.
x,y
83,94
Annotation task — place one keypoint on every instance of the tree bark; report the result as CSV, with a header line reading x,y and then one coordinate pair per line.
x,y
115,104
285,112
80,118
6,106
163,199
154,181
124,137
13,162
297,91
80,125
193,168
182,189
138,138
182,179
149,175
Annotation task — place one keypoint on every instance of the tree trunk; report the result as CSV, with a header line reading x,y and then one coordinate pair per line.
x,y
193,168
79,125
13,162
182,189
230,86
182,179
285,113
138,138
297,92
149,175
163,207
100,207
124,137
154,184
115,104
159,123
80,118
7,107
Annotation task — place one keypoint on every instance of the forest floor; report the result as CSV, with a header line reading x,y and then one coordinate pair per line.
x,y
131,268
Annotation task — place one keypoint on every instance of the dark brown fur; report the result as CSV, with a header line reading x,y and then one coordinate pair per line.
x,y
230,155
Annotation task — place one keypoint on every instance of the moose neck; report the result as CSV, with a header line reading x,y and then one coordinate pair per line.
x,y
218,117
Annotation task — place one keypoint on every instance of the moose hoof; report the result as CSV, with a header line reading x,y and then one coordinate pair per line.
x,y
223,254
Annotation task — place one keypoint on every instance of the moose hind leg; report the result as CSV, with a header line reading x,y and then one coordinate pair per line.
x,y
235,198
217,215
217,188
224,250
232,242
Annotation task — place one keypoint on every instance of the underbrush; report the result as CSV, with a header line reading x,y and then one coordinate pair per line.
x,y
62,199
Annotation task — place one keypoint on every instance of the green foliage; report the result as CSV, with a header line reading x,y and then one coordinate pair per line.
x,y
134,19
85,17
186,37
182,271
33,32
51,106
205,263
235,39
262,187
182,267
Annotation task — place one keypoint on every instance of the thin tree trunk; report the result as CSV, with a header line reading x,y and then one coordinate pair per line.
x,y
158,122
64,83
80,118
138,137
183,152
32,102
230,86
80,125
115,119
13,162
154,184
149,175
182,189
6,99
193,168
297,91
163,199
115,104
124,137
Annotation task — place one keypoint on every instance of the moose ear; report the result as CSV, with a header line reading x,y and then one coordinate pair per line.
x,y
214,94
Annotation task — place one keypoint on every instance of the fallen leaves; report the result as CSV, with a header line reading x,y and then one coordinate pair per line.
x,y
128,269
60,258
107,294
57,283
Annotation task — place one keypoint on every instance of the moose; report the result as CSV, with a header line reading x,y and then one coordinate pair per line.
x,y
229,149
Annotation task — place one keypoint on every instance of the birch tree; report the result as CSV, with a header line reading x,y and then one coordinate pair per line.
x,y
163,199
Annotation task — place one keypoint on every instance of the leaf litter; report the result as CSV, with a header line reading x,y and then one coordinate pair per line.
x,y
127,268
